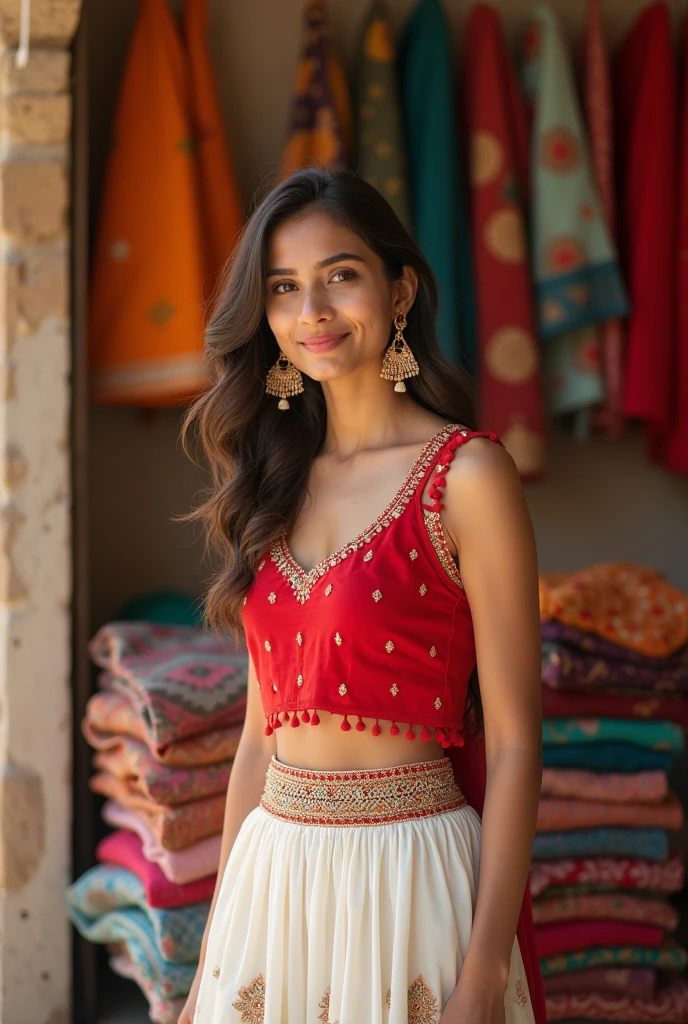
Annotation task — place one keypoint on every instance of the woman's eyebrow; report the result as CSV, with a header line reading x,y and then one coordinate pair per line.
x,y
320,265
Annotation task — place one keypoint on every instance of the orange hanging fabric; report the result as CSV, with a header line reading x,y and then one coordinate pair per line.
x,y
321,130
146,315
219,197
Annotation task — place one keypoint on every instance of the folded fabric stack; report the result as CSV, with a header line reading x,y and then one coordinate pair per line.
x,y
606,855
165,725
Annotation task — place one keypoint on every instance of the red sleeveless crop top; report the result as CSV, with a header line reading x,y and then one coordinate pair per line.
x,y
381,631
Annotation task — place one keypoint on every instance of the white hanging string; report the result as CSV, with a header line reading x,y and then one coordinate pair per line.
x,y
22,58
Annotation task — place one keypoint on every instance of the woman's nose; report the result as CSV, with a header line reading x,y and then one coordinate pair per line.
x,y
315,307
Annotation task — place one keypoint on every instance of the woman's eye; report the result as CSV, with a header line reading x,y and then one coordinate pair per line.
x,y
343,275
283,287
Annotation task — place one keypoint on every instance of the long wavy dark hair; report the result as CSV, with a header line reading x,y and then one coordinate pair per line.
x,y
260,456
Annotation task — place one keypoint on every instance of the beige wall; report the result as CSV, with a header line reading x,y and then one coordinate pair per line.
x,y
599,500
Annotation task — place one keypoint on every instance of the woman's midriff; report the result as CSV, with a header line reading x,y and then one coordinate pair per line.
x,y
326,747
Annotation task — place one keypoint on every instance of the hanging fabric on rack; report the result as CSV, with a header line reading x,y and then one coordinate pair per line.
x,y
509,358
219,197
438,191
577,281
380,144
598,109
320,132
146,314
645,99
676,450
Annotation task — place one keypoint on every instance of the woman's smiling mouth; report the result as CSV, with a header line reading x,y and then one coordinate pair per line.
x,y
324,342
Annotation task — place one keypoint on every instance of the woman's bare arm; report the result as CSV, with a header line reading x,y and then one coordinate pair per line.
x,y
487,519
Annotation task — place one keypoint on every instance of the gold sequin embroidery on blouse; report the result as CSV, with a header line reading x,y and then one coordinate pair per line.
x,y
250,1002
377,595
389,646
433,523
342,689
521,998
302,582
423,1007
394,689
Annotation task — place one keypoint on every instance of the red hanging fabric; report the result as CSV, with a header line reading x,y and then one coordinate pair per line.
x,y
645,103
676,451
509,358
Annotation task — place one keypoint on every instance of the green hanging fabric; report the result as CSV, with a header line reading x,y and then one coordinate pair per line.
x,y
381,155
438,193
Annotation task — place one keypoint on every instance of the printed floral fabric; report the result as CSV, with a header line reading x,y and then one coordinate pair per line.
x,y
668,1006
182,680
554,814
654,735
571,936
638,982
611,787
131,760
671,958
625,603
564,667
110,715
619,872
124,849
160,1009
647,843
174,828
194,863
114,892
580,703
609,906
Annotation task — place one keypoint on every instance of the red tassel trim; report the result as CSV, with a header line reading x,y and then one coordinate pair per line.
x,y
315,719
276,723
376,730
360,724
305,717
268,730
394,730
425,735
286,716
410,734
440,481
346,725
295,720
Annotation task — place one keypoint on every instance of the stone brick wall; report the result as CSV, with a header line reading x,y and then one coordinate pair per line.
x,y
35,558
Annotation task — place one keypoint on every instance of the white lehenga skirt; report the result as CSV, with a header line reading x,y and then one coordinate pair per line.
x,y
348,899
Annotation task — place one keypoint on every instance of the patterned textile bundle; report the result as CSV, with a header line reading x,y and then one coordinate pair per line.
x,y
615,700
165,725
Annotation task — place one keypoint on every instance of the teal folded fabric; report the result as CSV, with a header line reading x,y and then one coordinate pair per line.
x,y
108,899
645,843
439,200
664,736
606,757
670,958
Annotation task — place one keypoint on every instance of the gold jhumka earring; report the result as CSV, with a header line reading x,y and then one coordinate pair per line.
x,y
283,379
399,361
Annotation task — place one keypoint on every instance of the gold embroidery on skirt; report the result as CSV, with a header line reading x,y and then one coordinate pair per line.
x,y
251,1001
324,1005
521,998
422,1004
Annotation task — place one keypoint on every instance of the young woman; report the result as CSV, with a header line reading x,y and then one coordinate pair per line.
x,y
374,548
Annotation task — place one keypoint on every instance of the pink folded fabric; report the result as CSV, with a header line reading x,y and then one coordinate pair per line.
x,y
638,982
189,865
668,1006
160,1009
131,760
558,815
620,872
111,715
610,787
609,906
566,937
124,849
175,828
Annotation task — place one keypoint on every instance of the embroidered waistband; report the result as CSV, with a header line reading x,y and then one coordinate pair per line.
x,y
371,796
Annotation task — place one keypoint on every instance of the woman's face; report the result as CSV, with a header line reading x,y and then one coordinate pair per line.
x,y
328,300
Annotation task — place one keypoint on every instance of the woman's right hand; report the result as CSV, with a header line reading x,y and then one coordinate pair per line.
x,y
187,1014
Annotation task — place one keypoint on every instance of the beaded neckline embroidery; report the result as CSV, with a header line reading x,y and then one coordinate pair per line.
x,y
302,582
